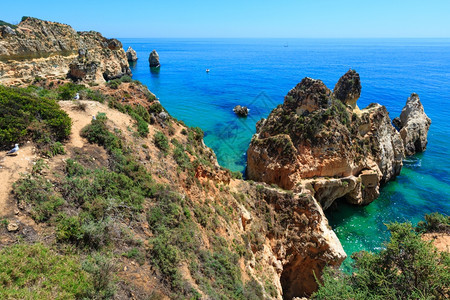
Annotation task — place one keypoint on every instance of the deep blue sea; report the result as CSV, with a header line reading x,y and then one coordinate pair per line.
x,y
258,73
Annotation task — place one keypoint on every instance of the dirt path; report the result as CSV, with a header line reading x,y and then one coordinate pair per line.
x,y
12,166
10,169
81,118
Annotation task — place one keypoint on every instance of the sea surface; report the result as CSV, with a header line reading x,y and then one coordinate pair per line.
x,y
258,73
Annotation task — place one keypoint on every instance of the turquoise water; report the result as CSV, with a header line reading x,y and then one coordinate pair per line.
x,y
259,72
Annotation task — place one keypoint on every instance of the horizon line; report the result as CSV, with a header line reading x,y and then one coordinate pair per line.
x,y
309,38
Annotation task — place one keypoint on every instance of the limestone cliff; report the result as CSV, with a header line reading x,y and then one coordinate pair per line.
x,y
317,134
38,48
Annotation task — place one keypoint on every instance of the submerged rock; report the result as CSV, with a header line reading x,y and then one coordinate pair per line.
x,y
131,55
241,111
413,125
154,59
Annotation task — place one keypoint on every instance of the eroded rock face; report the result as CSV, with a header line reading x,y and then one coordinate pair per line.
x,y
53,50
348,88
315,135
414,125
301,242
131,55
153,59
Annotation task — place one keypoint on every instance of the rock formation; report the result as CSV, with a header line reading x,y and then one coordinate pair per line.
x,y
241,111
153,59
131,55
321,141
348,88
413,125
38,48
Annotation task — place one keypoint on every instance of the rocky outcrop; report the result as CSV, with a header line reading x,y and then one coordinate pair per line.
x,y
131,55
348,88
153,59
38,48
241,111
299,242
413,125
318,134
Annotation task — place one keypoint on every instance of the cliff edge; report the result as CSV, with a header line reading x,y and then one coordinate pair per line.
x,y
44,49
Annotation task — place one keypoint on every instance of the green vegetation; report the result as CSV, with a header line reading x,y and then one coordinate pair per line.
x,y
434,222
25,115
37,272
408,268
3,23
161,142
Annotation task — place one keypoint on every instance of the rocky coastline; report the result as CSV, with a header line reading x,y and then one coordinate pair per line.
x,y
315,148
320,142
44,49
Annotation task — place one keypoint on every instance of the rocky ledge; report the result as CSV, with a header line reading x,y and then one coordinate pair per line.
x,y
38,48
320,142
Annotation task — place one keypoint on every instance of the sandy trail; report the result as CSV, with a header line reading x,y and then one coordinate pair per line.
x,y
81,118
11,168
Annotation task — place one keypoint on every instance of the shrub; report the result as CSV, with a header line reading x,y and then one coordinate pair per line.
x,y
24,115
101,269
69,90
181,157
161,142
97,132
114,84
434,222
38,193
408,268
236,175
126,78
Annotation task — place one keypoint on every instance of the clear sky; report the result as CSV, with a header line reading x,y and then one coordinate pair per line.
x,y
243,18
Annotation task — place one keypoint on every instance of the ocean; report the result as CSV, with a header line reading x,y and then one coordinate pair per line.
x,y
258,73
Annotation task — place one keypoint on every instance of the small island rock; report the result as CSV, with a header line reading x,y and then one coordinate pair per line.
x,y
131,55
241,111
413,125
154,59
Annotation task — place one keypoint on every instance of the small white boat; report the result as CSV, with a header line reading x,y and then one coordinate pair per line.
x,y
207,70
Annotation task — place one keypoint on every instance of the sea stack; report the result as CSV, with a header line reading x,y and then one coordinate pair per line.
x,y
318,141
154,59
413,125
131,55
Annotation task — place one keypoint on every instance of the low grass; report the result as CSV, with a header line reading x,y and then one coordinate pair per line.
x,y
37,272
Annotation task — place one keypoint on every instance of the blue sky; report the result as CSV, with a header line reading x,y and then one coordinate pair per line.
x,y
244,18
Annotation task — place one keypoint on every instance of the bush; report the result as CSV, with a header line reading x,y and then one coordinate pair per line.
x,y
38,193
102,270
69,90
24,116
408,268
181,157
161,142
126,78
434,222
97,132
114,84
